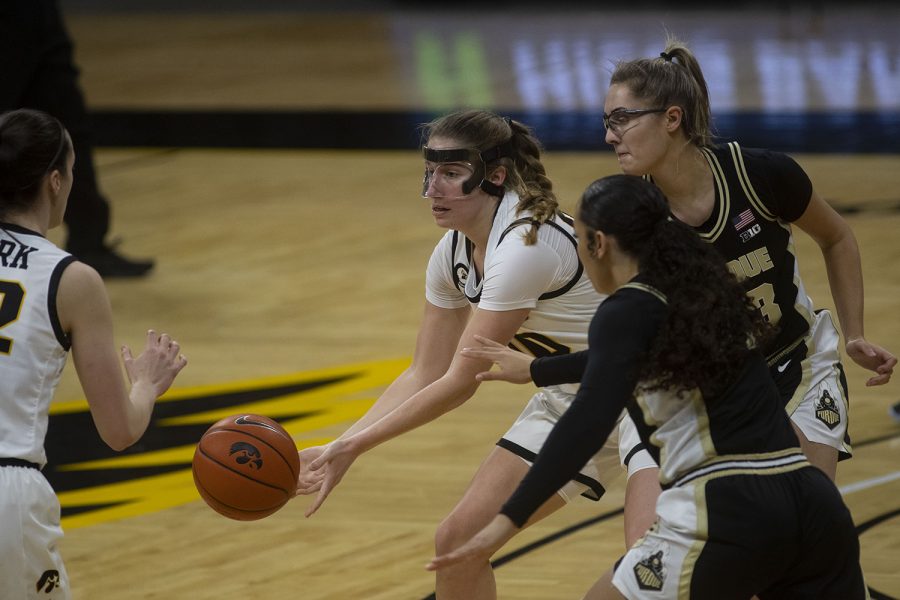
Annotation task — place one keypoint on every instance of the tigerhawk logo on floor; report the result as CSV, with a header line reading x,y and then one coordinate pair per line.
x,y
96,484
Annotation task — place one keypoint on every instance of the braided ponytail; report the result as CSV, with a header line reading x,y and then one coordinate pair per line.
x,y
534,187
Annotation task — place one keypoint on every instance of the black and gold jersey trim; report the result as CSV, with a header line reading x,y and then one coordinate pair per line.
x,y
635,285
723,194
769,463
744,180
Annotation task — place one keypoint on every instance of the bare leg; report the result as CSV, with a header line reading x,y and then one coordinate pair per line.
x,y
496,479
603,589
641,491
819,455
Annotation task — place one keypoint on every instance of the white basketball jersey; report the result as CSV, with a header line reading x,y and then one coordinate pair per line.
x,y
33,346
545,277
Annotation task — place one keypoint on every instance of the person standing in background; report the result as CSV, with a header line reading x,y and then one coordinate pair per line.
x,y
38,71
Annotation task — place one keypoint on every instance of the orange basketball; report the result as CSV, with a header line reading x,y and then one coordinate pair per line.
x,y
246,467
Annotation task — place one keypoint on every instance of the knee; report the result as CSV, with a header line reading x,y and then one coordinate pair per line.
x,y
449,534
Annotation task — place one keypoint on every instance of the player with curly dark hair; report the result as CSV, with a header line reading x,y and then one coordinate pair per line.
x,y
677,343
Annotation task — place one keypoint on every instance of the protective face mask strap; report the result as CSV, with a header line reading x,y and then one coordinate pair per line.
x,y
478,160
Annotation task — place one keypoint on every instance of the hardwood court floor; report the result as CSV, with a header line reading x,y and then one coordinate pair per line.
x,y
277,263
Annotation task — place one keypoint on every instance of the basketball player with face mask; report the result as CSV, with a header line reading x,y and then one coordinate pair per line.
x,y
507,269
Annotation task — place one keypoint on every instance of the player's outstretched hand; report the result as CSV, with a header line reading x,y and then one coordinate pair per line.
x,y
874,358
310,481
482,545
157,365
333,463
515,366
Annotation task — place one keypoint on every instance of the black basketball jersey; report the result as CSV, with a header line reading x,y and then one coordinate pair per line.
x,y
758,194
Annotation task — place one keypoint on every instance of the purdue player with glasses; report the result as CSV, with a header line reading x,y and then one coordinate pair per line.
x,y
507,269
744,201
742,511
51,303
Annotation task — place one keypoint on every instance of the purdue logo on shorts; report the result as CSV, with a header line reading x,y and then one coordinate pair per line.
x,y
48,581
826,410
649,572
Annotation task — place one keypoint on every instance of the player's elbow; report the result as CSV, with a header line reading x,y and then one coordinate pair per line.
x,y
120,436
119,439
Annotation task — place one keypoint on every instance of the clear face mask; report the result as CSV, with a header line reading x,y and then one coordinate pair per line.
x,y
451,173
456,172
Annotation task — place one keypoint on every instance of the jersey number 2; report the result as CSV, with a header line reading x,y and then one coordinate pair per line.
x,y
11,295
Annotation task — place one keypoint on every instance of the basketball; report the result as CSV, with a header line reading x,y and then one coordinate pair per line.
x,y
246,467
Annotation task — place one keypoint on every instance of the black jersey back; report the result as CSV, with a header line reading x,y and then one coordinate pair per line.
x,y
758,193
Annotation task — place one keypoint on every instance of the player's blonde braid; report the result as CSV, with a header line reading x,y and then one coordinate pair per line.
x,y
529,178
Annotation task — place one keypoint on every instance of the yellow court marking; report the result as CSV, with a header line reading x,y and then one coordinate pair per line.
x,y
333,403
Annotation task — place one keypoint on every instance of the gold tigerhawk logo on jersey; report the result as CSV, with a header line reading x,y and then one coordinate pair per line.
x,y
827,411
650,573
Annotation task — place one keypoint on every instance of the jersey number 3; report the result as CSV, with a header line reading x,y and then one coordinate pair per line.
x,y
11,296
764,299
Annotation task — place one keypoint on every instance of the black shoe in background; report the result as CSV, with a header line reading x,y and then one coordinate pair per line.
x,y
110,264
894,411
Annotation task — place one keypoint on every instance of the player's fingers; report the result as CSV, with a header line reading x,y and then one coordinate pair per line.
x,y
165,341
320,498
489,376
305,488
488,342
446,560
878,380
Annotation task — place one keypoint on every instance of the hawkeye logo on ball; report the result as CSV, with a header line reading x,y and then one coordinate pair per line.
x,y
247,454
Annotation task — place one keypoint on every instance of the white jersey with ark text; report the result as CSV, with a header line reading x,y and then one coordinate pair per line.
x,y
33,346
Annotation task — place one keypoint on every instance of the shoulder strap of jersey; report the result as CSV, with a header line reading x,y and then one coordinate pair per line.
x,y
552,223
643,287
744,179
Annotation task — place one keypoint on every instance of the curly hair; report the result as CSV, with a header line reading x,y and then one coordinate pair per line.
x,y
32,144
711,324
525,173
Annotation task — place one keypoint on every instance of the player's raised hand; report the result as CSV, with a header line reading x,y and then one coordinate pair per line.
x,y
515,366
481,546
157,365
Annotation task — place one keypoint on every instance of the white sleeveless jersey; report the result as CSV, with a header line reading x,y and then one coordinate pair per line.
x,y
546,277
33,346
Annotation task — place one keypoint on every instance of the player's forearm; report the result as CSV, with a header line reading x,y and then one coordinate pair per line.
x,y
430,403
402,388
843,265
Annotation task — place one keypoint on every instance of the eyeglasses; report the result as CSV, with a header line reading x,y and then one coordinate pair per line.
x,y
620,117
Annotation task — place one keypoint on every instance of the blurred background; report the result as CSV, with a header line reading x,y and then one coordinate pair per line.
x,y
798,76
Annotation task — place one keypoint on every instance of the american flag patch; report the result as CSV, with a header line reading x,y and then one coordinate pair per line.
x,y
743,219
